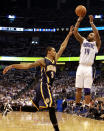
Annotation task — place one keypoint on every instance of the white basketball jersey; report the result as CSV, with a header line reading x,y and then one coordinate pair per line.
x,y
87,52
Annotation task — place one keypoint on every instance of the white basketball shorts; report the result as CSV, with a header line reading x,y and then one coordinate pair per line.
x,y
84,76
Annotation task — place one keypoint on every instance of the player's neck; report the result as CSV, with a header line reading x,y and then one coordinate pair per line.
x,y
90,40
50,57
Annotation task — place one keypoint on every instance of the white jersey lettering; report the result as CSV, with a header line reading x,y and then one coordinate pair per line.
x,y
87,52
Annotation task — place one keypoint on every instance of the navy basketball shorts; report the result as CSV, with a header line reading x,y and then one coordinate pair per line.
x,y
43,98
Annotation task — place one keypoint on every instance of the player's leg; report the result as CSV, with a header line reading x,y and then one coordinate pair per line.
x,y
87,93
78,95
35,104
88,80
5,112
79,85
49,102
53,118
11,109
36,99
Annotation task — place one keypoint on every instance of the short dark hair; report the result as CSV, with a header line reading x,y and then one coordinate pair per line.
x,y
49,48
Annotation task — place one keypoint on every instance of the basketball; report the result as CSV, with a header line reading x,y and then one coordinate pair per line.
x,y
80,10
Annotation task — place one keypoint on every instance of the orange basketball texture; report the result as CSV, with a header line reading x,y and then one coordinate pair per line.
x,y
80,10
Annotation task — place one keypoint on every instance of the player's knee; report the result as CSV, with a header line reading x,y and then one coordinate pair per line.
x,y
87,91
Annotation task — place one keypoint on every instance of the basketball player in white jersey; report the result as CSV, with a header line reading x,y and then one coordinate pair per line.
x,y
89,47
7,108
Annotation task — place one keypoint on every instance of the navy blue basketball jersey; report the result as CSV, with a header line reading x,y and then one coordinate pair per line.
x,y
44,98
48,72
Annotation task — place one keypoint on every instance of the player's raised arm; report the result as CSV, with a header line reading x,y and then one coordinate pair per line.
x,y
76,33
64,44
25,66
95,31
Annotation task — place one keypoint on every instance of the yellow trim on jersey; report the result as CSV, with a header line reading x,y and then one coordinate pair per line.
x,y
35,105
41,107
48,88
41,74
50,60
50,95
43,94
49,91
41,88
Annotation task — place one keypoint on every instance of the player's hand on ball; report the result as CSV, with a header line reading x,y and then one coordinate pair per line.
x,y
6,69
91,18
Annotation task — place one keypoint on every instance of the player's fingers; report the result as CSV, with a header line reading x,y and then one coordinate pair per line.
x,y
90,16
81,18
71,27
4,71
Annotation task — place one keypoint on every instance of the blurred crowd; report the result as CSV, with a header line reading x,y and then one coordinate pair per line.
x,y
18,86
95,109
14,84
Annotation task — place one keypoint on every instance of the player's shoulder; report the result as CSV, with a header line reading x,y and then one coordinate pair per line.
x,y
49,60
84,40
41,61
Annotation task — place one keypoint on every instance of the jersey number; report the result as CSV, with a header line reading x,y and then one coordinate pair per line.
x,y
87,51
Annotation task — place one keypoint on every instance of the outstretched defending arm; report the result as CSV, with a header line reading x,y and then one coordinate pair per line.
x,y
64,44
25,66
97,36
76,34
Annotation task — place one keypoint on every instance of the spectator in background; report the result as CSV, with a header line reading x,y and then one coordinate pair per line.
x,y
64,104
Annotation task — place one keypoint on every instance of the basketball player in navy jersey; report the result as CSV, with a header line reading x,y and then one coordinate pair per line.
x,y
44,97
89,47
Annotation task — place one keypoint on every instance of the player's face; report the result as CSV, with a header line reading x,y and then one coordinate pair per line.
x,y
91,37
53,52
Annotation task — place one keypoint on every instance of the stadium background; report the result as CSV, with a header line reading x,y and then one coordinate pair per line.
x,y
27,27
